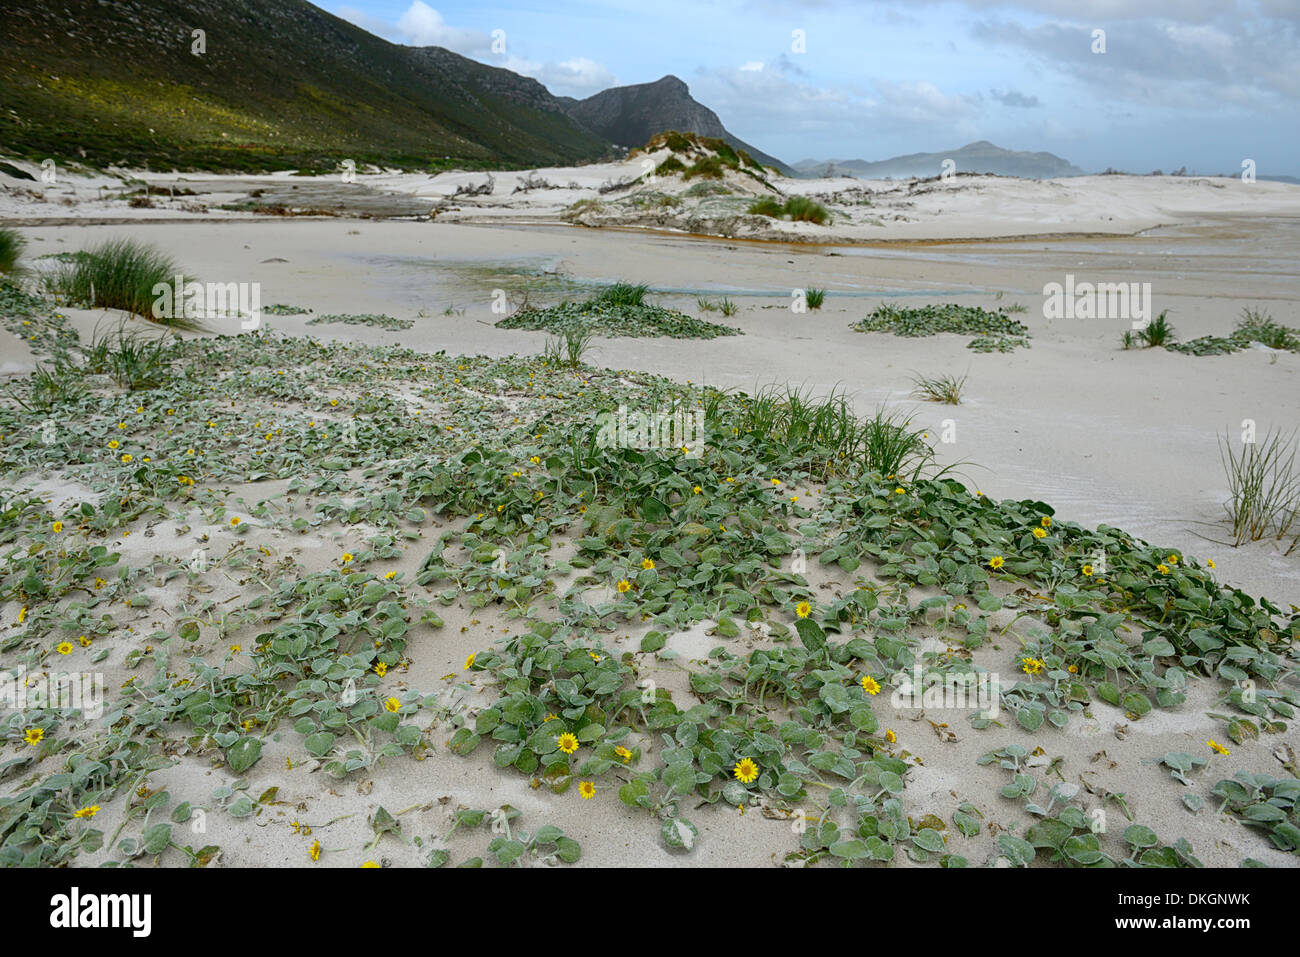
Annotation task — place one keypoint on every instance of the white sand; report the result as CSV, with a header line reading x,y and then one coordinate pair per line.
x,y
1103,435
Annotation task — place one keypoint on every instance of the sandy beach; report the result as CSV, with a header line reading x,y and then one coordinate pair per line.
x,y
1106,436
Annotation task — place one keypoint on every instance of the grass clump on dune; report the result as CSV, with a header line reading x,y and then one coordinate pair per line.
x,y
120,274
11,247
1255,325
993,331
801,209
617,310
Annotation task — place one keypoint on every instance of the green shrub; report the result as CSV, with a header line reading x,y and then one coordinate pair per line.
x,y
803,209
814,297
669,166
623,294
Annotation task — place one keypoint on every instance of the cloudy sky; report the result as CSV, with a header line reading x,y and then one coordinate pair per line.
x,y
1197,83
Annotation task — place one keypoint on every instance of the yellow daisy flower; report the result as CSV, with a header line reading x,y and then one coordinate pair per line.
x,y
745,771
567,742
623,753
647,563
57,526
64,648
469,662
392,705
1040,533
624,585
587,789
314,850
381,669
996,562
89,811
33,736
870,685
1217,748
803,609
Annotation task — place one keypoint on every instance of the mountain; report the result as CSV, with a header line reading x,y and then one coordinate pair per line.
x,y
978,157
631,115
281,84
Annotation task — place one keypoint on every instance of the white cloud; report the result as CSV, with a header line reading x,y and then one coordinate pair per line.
x,y
753,66
423,26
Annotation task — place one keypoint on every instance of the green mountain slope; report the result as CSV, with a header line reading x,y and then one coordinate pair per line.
x,y
281,84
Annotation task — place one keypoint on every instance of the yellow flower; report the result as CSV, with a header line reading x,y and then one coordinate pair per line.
x,y
469,662
1162,568
33,736
890,736
1031,666
1172,559
996,562
899,491
698,490
1073,669
392,705
587,789
314,850
57,526
113,444
1216,747
127,457
22,614
347,557
549,717
89,811
334,401
390,575
1087,571
567,742
1210,562
84,641
745,770
370,864
624,585
776,481
381,669
235,521
64,648
803,609
1046,521
870,685
1040,533
100,583
535,460
623,753
647,563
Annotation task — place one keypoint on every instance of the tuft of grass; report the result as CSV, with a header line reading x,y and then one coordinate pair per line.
x,y
51,386
669,166
567,348
707,167
623,294
1263,486
798,208
705,305
944,388
120,274
726,307
11,247
814,297
1158,332
803,209
135,360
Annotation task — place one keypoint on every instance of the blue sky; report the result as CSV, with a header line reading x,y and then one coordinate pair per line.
x,y
1197,83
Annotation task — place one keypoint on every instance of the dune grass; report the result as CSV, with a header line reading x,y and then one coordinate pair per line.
x,y
11,248
120,274
945,388
1158,332
814,297
623,294
1263,486
798,208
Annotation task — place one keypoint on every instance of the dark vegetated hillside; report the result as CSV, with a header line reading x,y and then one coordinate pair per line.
x,y
281,84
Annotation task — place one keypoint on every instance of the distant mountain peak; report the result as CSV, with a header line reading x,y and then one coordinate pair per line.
x,y
631,115
978,157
